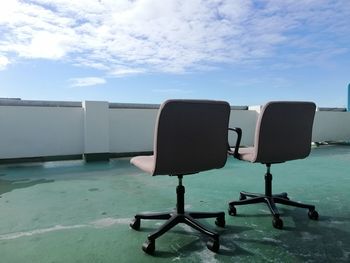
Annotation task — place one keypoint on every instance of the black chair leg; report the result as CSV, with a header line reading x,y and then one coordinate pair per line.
x,y
243,195
176,218
283,195
313,214
220,217
153,216
169,224
135,223
271,200
180,216
293,203
188,220
198,215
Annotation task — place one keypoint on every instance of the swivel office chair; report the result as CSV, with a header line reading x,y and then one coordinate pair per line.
x,y
283,132
190,137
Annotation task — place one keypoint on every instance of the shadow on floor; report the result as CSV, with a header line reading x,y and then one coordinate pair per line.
x,y
325,240
9,185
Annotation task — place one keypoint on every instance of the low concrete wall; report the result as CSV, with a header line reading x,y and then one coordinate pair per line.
x,y
331,126
131,130
28,131
42,129
96,127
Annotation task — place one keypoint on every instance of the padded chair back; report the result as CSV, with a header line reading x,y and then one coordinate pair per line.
x,y
284,131
191,136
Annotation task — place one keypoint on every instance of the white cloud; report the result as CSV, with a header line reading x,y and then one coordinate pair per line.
x,y
121,71
4,61
169,36
46,45
87,81
173,91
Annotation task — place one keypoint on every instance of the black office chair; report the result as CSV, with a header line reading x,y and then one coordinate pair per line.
x,y
190,137
283,132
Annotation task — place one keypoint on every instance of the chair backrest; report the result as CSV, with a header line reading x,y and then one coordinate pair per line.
x,y
284,131
191,136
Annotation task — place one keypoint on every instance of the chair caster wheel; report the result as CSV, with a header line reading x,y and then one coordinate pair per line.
x,y
148,247
242,197
135,224
313,215
277,223
220,221
232,211
213,245
285,196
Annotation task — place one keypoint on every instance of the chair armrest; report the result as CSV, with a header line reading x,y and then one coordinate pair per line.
x,y
238,141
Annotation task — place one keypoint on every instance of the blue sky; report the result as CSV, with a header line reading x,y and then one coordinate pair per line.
x,y
146,51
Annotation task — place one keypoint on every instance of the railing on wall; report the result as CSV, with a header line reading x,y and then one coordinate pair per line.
x,y
98,129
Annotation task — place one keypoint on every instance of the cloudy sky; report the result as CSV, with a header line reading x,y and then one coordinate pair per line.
x,y
145,51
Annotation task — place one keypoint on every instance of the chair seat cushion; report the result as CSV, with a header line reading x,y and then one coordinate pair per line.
x,y
246,154
145,163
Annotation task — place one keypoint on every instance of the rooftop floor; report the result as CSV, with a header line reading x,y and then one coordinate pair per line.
x,y
76,212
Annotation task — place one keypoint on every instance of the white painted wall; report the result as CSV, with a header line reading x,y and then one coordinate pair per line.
x,y
40,131
131,130
96,126
36,131
246,120
331,126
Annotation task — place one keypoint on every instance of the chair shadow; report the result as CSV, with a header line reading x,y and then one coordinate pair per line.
x,y
323,237
306,240
227,246
198,245
323,240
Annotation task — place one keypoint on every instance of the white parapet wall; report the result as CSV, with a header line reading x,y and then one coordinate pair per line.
x,y
246,120
331,126
34,131
131,130
30,129
96,128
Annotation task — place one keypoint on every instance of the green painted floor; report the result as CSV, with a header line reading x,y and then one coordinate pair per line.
x,y
76,212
